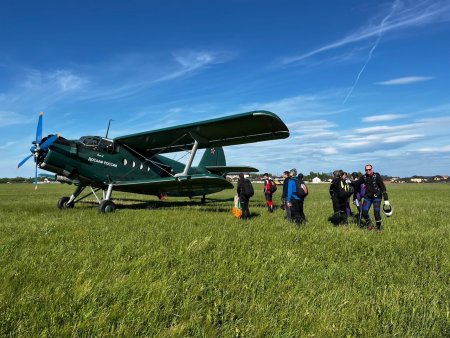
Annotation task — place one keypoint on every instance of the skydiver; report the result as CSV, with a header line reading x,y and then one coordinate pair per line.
x,y
375,191
294,201
269,188
359,192
284,195
244,191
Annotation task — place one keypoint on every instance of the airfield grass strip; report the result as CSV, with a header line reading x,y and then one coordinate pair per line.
x,y
178,268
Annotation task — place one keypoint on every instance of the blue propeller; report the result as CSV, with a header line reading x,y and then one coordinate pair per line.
x,y
38,146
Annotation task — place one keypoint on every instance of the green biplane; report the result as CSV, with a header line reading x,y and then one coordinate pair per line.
x,y
134,163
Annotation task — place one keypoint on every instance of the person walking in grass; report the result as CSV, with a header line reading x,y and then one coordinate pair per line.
x,y
359,192
294,198
340,192
245,192
375,191
337,217
286,177
269,188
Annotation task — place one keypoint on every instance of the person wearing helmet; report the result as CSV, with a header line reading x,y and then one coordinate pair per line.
x,y
375,191
340,192
338,207
359,192
304,192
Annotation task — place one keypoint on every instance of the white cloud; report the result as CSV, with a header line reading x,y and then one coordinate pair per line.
x,y
7,145
403,138
405,80
383,118
387,129
191,61
410,14
306,106
135,73
68,81
9,118
444,149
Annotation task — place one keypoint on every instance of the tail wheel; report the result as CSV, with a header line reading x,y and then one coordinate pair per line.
x,y
107,207
62,203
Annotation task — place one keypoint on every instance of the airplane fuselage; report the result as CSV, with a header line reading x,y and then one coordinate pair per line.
x,y
98,162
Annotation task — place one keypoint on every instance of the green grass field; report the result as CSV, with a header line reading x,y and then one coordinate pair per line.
x,y
178,268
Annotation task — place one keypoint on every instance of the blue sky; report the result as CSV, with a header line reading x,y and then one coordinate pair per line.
x,y
356,81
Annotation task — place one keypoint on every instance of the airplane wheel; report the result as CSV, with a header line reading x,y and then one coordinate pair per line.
x,y
107,207
62,203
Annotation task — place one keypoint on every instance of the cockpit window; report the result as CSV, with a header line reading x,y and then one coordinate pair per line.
x,y
98,144
106,145
90,141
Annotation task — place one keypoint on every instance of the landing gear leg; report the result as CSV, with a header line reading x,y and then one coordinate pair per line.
x,y
69,202
107,205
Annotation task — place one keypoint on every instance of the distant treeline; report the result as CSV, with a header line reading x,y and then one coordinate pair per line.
x,y
17,180
307,177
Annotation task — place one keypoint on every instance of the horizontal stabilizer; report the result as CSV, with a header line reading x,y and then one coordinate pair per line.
x,y
230,169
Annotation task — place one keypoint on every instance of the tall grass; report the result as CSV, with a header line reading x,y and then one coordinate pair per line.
x,y
180,268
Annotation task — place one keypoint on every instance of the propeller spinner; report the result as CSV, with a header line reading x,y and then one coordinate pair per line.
x,y
39,147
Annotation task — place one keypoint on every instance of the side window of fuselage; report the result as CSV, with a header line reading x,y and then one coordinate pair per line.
x,y
96,143
106,146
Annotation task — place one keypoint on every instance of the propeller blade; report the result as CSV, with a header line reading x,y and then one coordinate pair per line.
x,y
48,142
24,160
35,177
39,129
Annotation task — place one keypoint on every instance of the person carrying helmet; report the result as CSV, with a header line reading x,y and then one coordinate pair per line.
x,y
375,191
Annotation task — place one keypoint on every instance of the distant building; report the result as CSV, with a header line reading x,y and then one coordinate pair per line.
x,y
235,177
316,180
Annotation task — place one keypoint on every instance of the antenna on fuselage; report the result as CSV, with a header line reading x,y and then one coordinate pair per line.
x,y
107,130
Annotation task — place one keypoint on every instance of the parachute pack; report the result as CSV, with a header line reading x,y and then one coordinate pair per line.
x,y
345,189
273,186
302,189
248,188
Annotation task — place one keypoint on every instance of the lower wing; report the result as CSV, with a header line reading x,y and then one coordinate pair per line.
x,y
195,185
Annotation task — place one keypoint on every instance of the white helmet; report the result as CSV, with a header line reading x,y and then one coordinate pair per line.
x,y
387,209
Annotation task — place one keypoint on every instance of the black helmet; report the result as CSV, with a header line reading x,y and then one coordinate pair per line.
x,y
387,209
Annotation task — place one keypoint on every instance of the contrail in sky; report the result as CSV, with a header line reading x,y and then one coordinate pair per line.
x,y
380,33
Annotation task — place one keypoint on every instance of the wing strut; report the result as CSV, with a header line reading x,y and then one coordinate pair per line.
x,y
189,162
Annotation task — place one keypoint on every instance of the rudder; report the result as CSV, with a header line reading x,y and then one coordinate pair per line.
x,y
213,157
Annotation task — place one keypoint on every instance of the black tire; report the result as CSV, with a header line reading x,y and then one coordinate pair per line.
x,y
62,203
106,207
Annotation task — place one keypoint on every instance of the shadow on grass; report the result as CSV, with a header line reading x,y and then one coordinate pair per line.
x,y
211,205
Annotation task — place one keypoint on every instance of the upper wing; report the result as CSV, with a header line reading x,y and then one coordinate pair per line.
x,y
230,130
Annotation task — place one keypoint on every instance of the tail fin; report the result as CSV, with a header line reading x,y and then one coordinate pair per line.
x,y
213,157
